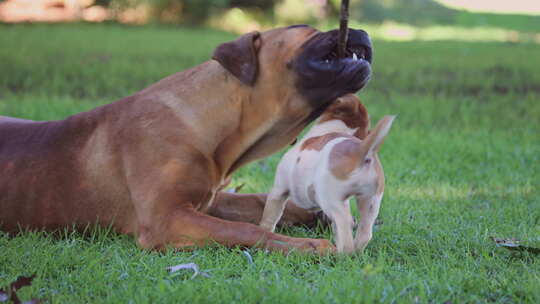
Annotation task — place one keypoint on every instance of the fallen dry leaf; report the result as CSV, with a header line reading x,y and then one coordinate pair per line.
x,y
514,244
11,293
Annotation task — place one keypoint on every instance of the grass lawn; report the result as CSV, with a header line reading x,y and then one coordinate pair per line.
x,y
462,164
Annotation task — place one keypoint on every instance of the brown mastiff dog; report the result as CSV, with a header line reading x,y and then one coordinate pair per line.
x,y
151,164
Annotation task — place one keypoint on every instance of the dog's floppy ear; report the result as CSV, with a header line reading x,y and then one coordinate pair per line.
x,y
239,57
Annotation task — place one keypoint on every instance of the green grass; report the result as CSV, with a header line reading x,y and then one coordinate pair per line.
x,y
461,162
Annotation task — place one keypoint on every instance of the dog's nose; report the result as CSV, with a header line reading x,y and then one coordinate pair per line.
x,y
359,37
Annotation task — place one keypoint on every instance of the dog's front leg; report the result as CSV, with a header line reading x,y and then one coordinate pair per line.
x,y
369,209
192,228
166,214
180,225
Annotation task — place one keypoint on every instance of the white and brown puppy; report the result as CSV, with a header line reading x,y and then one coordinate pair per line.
x,y
337,159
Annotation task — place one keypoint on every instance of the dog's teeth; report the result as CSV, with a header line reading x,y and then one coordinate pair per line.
x,y
354,57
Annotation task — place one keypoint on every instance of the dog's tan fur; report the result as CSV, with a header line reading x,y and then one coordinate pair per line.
x,y
152,163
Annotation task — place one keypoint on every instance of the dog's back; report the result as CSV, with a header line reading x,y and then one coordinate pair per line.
x,y
41,178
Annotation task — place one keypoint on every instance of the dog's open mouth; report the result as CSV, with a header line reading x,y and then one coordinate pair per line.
x,y
352,52
320,60
323,76
322,50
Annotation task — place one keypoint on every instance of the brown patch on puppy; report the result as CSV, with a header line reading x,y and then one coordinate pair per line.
x,y
318,142
351,111
344,158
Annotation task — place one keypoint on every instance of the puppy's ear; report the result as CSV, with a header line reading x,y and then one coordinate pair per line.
x,y
239,57
376,137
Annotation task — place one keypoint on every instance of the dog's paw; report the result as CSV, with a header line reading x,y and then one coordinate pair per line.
x,y
319,246
304,245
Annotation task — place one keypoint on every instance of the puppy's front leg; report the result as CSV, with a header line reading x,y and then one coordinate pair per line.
x,y
342,223
273,210
369,209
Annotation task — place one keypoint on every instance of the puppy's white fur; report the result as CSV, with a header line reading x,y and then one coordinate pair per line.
x,y
334,161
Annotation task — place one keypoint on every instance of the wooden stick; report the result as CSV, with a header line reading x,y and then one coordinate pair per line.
x,y
343,28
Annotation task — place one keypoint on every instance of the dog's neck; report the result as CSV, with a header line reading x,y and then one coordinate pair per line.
x,y
329,126
239,123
